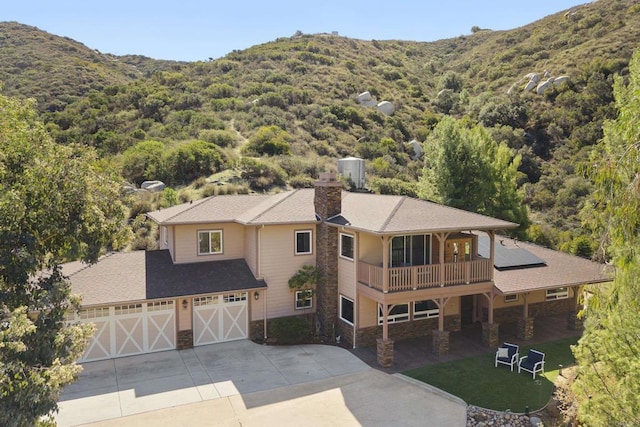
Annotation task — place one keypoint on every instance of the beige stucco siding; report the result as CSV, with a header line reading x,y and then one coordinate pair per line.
x,y
184,315
251,248
367,312
452,307
186,246
347,278
370,248
167,239
256,308
532,298
278,263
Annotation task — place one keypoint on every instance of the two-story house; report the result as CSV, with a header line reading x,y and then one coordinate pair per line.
x,y
392,267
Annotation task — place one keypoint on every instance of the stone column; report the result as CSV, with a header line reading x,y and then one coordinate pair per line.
x,y
440,342
185,339
490,334
385,352
525,328
574,322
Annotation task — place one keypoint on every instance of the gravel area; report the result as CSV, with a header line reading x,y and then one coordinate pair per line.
x,y
480,417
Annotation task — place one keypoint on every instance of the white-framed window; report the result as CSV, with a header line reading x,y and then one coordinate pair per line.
x,y
128,309
425,309
511,298
304,299
209,242
208,300
93,313
303,242
346,246
398,313
346,309
160,305
557,293
239,296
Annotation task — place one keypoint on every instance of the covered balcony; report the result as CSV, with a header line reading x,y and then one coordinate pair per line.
x,y
422,262
400,279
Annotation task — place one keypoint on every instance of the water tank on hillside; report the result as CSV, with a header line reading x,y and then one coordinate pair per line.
x,y
352,168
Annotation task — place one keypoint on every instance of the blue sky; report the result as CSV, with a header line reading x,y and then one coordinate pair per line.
x,y
192,30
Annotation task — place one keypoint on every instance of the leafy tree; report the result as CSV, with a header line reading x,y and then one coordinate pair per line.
x,y
143,161
608,381
268,141
466,169
192,160
55,204
261,175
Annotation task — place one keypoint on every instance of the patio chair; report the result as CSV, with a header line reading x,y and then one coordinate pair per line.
x,y
533,362
507,355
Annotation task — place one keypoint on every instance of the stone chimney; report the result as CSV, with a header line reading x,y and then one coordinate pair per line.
x,y
328,195
328,203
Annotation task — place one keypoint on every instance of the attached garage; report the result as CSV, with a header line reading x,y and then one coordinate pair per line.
x,y
125,330
141,302
220,318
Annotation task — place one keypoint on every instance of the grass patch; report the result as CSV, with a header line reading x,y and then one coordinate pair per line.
x,y
477,382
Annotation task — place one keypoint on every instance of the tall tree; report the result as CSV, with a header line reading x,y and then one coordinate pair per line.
x,y
608,382
55,204
465,168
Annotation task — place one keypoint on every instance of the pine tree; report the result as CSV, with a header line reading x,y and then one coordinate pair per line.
x,y
608,383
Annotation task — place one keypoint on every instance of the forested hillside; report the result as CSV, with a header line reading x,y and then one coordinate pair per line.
x,y
273,115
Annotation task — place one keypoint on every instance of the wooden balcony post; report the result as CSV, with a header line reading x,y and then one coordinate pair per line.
x,y
492,251
385,264
385,323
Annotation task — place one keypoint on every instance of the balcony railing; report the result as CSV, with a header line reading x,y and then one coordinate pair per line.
x,y
424,276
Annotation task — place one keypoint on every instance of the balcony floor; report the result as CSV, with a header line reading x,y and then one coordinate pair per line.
x,y
416,352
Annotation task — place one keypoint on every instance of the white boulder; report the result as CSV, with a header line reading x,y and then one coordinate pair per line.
x,y
385,107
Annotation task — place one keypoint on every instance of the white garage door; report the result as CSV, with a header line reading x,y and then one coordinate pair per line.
x,y
220,318
130,329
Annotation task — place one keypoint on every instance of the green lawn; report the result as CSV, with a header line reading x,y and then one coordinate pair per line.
x,y
477,382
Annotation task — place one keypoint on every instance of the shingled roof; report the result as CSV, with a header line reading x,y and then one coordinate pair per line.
x,y
143,275
362,211
560,270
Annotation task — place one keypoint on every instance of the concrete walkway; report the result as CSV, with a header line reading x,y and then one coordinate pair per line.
x,y
243,383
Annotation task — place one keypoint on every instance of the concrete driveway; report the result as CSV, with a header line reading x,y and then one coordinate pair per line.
x,y
243,383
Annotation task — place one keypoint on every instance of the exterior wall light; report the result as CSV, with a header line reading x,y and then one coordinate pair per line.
x,y
184,304
256,295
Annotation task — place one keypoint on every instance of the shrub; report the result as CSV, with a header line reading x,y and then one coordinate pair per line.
x,y
269,141
260,175
290,330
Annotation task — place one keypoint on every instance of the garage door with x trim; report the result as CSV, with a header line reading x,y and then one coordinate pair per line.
x,y
220,318
129,329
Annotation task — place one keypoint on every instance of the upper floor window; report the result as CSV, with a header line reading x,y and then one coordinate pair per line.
x,y
557,293
209,242
346,246
303,242
410,250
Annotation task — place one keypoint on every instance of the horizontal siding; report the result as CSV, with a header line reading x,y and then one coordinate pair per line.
x,y
347,278
278,263
370,248
187,242
250,248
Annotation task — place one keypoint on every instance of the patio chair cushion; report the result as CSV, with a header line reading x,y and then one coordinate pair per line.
x,y
531,360
503,353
